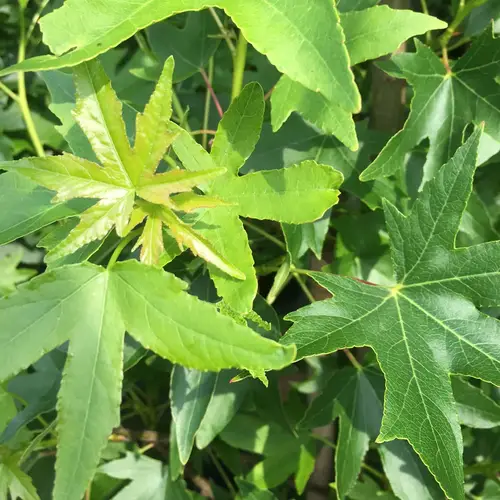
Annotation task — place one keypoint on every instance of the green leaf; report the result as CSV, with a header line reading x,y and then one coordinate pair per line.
x,y
16,482
444,103
289,96
7,409
300,238
27,207
186,235
297,194
475,408
158,188
153,302
225,402
297,141
249,491
426,326
147,302
371,33
89,399
357,395
99,114
70,176
190,394
151,241
95,223
307,460
153,136
319,63
148,479
10,274
239,130
192,45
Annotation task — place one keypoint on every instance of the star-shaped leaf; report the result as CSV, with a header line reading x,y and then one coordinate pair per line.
x,y
153,307
444,102
425,327
125,173
369,33
297,194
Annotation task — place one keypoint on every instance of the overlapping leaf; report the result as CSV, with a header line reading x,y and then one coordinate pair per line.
x,y
370,33
320,62
425,327
125,172
298,194
153,307
444,102
356,395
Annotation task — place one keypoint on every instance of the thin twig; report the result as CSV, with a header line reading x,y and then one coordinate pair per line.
x,y
225,34
212,93
21,90
264,233
206,113
9,92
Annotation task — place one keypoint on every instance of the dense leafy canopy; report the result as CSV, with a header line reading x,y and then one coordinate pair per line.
x,y
341,154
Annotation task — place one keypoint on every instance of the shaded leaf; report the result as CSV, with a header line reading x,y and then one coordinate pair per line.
x,y
444,103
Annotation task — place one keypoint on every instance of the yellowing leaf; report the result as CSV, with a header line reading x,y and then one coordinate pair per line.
x,y
153,136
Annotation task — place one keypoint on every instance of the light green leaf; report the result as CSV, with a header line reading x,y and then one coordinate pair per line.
x,y
350,5
239,130
95,223
189,202
151,241
228,236
222,225
297,194
425,327
148,479
14,481
158,188
225,402
153,136
90,395
289,96
444,103
7,409
191,46
190,394
149,303
307,460
475,408
371,33
70,176
297,141
99,114
27,207
153,303
300,238
82,29
41,316
10,274
186,235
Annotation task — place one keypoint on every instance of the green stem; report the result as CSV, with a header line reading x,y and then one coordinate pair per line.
x,y
35,19
425,9
264,233
333,446
206,114
123,243
9,92
181,114
222,473
239,62
23,99
464,9
304,287
223,30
